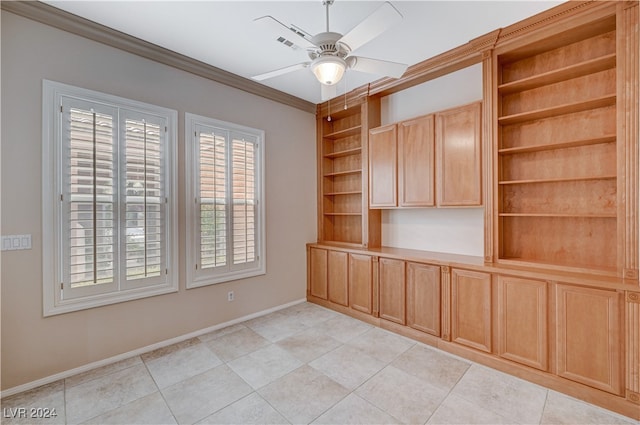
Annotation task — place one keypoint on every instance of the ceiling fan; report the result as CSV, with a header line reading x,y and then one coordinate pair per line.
x,y
330,52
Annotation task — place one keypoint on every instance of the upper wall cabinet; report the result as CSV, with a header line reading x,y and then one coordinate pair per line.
x,y
459,153
412,163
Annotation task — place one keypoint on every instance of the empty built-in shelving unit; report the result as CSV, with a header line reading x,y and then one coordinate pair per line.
x,y
557,151
343,176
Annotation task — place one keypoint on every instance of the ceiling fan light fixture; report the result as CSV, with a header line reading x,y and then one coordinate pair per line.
x,y
328,69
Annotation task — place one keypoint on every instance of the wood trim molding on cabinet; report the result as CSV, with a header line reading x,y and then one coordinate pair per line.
x,y
628,128
74,24
632,340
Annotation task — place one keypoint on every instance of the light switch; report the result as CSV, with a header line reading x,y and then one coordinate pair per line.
x,y
16,242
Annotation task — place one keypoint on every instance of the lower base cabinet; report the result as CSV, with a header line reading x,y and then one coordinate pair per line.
x,y
338,276
589,342
471,309
522,321
318,272
392,290
361,283
423,298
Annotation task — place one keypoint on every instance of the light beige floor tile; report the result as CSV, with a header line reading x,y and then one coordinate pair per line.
x,y
98,396
562,409
196,398
237,344
309,314
252,409
515,399
354,410
102,371
17,409
221,332
457,411
264,365
180,361
403,396
275,326
348,366
381,344
309,345
303,395
343,328
151,410
433,366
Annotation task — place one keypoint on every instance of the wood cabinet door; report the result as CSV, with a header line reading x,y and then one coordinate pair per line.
x,y
423,298
338,266
392,290
458,153
383,167
589,341
361,283
318,272
522,321
416,162
471,309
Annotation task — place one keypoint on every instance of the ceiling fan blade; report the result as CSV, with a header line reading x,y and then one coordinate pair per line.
x,y
374,25
281,71
376,66
328,92
289,36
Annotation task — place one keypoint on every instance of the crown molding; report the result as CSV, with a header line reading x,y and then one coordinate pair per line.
x,y
71,23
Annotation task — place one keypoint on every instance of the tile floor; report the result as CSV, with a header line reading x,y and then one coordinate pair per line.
x,y
305,364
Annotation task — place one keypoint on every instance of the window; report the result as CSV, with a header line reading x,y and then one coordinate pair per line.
x,y
225,211
109,218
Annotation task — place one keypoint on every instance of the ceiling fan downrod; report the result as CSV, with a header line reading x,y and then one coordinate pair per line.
x,y
327,3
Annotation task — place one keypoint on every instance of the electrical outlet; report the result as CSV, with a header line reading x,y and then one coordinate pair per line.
x,y
230,296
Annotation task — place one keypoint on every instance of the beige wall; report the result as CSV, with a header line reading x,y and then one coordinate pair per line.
x,y
34,347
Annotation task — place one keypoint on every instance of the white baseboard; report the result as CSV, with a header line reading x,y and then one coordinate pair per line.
x,y
71,372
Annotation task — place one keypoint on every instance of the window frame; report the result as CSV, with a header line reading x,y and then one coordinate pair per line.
x,y
196,275
53,209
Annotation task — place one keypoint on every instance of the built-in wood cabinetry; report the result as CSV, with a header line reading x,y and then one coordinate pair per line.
x,y
414,162
338,277
392,290
423,297
343,204
556,298
361,283
318,272
383,167
589,340
459,156
522,321
559,160
471,309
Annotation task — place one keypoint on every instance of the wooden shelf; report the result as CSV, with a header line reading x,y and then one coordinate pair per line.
x,y
342,173
573,71
553,111
343,214
353,192
351,131
557,180
561,215
345,152
609,138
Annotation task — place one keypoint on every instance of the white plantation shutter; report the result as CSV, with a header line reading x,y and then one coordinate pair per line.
x,y
226,237
88,196
143,197
107,224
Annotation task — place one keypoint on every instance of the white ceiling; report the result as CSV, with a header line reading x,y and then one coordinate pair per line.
x,y
222,33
